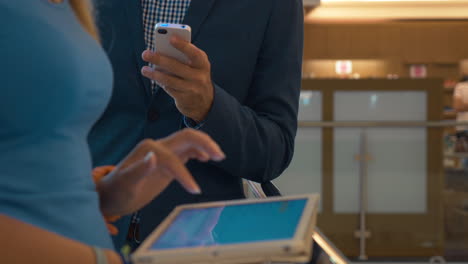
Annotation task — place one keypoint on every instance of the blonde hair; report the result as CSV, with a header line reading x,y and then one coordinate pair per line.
x,y
83,11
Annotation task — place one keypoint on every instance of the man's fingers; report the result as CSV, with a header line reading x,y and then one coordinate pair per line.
x,y
174,86
164,80
167,64
198,58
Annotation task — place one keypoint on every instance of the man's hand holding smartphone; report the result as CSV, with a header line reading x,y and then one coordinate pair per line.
x,y
188,81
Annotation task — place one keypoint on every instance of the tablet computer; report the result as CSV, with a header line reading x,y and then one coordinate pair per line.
x,y
241,231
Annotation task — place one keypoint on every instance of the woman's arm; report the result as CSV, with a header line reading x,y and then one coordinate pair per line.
x,y
24,243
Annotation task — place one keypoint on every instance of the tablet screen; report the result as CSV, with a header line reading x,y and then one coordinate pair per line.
x,y
233,224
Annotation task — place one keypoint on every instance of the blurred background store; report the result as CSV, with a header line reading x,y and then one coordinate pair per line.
x,y
377,133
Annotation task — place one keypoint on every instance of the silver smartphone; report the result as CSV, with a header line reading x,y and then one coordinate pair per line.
x,y
162,37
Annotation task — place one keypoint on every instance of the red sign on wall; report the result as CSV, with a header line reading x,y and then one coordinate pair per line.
x,y
418,71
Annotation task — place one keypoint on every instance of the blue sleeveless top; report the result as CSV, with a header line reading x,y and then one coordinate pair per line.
x,y
55,81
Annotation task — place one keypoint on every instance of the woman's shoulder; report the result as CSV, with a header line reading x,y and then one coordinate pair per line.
x,y
22,17
18,9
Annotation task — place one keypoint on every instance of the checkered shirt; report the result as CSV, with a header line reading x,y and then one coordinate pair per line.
x,y
161,11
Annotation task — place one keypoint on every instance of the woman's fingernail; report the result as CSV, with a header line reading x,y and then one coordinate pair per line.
x,y
149,156
219,157
196,190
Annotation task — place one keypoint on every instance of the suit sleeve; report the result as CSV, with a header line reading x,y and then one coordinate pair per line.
x,y
258,134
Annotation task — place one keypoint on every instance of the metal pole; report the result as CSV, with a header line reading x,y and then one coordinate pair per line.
x,y
363,158
440,124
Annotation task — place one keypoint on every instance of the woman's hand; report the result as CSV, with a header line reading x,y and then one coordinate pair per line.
x,y
151,167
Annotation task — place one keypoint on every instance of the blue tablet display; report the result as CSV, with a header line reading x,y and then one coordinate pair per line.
x,y
233,224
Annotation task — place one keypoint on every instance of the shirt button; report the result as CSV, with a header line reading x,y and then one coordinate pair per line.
x,y
153,115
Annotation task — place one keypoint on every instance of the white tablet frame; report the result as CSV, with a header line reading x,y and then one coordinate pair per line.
x,y
297,249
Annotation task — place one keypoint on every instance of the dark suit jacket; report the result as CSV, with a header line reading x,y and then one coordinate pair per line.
x,y
255,48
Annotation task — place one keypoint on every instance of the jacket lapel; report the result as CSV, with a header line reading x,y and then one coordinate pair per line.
x,y
136,35
197,13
